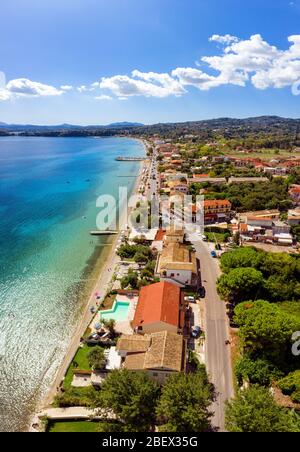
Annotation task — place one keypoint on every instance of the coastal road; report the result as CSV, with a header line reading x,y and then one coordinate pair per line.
x,y
217,354
153,179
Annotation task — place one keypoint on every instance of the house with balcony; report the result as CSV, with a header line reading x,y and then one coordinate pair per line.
x,y
216,210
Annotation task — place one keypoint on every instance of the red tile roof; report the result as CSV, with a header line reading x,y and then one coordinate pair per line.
x,y
217,203
158,302
196,176
160,235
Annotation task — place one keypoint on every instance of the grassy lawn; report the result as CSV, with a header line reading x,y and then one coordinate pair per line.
x,y
73,427
265,154
81,358
212,237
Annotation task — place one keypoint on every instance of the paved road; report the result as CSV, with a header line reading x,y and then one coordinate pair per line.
x,y
218,358
153,190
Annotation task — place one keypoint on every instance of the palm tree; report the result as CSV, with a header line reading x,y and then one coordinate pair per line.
x,y
110,324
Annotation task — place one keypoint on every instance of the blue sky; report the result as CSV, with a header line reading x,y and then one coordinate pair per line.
x,y
73,60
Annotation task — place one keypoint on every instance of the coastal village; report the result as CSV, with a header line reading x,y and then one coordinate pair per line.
x,y
161,306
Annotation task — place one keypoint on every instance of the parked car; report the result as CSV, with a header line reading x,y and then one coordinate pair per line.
x,y
213,254
202,292
190,299
196,331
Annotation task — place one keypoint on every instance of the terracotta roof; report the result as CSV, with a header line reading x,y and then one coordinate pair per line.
x,y
135,361
160,235
195,176
217,203
251,218
174,232
158,303
176,256
243,227
165,352
133,343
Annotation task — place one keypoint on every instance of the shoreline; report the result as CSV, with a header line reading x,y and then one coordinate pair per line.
x,y
104,280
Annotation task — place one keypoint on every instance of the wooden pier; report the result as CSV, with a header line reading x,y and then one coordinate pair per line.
x,y
130,159
103,232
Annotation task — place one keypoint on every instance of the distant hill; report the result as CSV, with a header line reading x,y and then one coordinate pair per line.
x,y
33,127
271,130
122,125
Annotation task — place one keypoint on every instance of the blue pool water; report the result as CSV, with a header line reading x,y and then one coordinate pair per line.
x,y
119,312
48,192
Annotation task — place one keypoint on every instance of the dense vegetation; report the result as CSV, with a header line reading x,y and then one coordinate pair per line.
x,y
184,403
181,405
249,196
254,411
266,324
250,274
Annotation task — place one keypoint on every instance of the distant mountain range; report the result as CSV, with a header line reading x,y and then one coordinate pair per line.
x,y
205,128
33,127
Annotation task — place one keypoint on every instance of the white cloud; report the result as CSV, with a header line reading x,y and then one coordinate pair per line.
x,y
226,39
88,89
148,84
239,62
25,87
103,97
66,87
252,60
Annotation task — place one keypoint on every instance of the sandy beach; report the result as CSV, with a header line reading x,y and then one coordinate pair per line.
x,y
102,286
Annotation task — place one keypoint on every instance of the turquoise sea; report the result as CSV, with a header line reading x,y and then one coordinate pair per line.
x,y
48,192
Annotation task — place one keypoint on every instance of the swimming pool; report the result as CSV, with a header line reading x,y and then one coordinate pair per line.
x,y
119,312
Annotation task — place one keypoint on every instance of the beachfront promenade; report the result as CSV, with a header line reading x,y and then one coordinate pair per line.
x,y
77,413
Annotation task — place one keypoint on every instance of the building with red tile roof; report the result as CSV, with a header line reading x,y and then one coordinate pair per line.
x,y
158,309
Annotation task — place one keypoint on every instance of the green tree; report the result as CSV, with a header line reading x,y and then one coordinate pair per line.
x,y
257,371
110,324
184,403
96,358
132,396
255,411
130,280
140,258
290,385
242,257
240,284
264,327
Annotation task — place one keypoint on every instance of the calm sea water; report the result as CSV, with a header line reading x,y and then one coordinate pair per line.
x,y
48,191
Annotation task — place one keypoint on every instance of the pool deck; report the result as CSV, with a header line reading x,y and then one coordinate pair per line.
x,y
123,327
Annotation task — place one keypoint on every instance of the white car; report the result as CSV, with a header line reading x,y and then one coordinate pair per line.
x,y
191,299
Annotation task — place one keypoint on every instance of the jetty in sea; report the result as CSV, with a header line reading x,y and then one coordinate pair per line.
x,y
108,232
130,159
